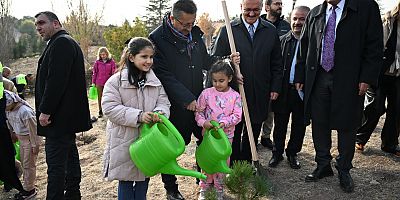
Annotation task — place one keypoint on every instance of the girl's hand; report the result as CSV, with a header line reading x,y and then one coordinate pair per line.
x,y
207,125
221,125
146,117
156,118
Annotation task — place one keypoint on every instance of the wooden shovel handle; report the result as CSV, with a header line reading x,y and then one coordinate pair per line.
x,y
254,155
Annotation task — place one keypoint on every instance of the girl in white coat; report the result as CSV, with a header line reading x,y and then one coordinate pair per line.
x,y
130,97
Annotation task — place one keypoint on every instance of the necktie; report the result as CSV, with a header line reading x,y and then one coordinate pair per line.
x,y
251,31
328,54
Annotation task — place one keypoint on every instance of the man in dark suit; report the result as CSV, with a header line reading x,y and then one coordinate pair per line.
x,y
261,66
179,61
62,107
290,100
340,57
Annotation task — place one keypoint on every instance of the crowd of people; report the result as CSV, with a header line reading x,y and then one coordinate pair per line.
x,y
335,66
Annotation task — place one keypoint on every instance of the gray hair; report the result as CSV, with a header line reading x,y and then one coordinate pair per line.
x,y
186,6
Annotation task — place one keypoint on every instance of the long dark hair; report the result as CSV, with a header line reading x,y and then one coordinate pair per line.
x,y
133,48
225,66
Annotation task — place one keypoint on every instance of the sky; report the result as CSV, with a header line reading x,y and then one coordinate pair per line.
x,y
116,11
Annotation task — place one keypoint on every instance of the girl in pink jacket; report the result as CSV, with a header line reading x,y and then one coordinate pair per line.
x,y
103,68
222,104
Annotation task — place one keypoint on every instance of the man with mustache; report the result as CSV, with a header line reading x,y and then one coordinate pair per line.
x,y
289,101
274,12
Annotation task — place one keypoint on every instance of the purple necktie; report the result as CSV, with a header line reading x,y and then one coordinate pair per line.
x,y
328,54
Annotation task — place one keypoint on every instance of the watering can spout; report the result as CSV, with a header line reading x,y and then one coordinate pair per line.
x,y
173,168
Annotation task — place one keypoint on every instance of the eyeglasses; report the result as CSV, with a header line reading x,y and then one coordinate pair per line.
x,y
255,10
188,25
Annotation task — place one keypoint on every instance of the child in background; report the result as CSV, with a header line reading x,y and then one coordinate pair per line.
x,y
131,96
103,69
222,104
21,119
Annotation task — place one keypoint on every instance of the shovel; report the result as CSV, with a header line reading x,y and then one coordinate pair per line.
x,y
254,156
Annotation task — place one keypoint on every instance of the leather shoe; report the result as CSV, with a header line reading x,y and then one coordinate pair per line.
x,y
174,195
275,160
346,182
319,173
266,142
394,150
293,162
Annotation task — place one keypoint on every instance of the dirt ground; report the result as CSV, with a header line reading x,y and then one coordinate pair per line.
x,y
376,174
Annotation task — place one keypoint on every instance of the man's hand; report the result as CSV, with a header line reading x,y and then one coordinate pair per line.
x,y
44,119
192,106
235,58
362,88
274,95
299,86
14,138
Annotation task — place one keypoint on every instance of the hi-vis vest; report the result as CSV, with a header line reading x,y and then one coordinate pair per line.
x,y
20,79
1,81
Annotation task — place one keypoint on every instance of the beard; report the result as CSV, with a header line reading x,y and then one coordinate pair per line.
x,y
276,13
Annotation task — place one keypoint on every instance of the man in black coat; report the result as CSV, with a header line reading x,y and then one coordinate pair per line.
x,y
261,66
290,100
62,107
340,57
179,61
274,16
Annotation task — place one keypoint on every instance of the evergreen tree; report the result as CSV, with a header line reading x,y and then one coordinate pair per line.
x,y
116,36
155,13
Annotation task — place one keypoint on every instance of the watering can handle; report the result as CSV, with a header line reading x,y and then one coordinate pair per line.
x,y
172,128
214,123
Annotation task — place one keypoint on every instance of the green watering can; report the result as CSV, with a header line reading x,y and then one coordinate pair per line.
x,y
157,148
17,150
214,151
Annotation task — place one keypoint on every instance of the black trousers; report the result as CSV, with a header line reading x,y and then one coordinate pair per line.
x,y
8,172
389,90
64,171
321,98
241,144
295,107
185,123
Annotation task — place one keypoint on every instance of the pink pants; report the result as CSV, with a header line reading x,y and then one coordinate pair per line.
x,y
216,179
28,161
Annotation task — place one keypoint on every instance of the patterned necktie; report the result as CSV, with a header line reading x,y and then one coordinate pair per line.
x,y
328,54
251,31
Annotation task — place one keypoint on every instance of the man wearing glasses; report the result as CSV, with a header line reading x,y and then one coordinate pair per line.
x,y
261,67
179,61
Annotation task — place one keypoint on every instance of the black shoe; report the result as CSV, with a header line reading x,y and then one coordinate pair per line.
x,y
293,162
174,195
319,173
346,182
266,142
394,150
22,195
275,160
93,119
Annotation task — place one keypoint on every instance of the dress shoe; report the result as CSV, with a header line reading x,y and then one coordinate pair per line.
x,y
275,160
174,195
394,150
266,142
360,147
346,182
293,162
319,173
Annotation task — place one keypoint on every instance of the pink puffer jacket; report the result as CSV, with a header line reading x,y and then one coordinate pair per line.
x,y
102,71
